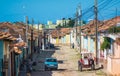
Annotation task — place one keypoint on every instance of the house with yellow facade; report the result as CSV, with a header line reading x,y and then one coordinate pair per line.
x,y
61,36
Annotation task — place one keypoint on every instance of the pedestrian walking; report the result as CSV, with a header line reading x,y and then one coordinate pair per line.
x,y
73,45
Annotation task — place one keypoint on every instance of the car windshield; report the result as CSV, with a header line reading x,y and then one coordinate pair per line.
x,y
85,55
51,60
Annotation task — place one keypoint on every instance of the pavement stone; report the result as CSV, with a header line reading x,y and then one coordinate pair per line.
x,y
23,72
39,59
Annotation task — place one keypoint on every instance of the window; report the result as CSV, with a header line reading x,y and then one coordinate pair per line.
x,y
51,60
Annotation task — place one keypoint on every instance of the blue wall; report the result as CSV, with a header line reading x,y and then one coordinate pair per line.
x,y
1,56
86,43
92,45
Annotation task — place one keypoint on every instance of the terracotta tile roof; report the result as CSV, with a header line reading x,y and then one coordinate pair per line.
x,y
9,28
90,27
110,23
55,33
19,29
61,32
65,30
7,36
102,25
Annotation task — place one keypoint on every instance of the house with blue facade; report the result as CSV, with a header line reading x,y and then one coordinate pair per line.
x,y
6,41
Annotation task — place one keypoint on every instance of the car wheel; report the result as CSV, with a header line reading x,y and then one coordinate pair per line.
x,y
92,67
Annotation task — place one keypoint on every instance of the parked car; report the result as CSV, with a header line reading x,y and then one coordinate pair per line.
x,y
86,61
51,63
52,45
49,46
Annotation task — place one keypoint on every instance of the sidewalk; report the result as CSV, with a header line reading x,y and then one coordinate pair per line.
x,y
23,71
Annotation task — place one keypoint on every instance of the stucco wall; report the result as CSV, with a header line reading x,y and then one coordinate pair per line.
x,y
116,50
113,65
67,39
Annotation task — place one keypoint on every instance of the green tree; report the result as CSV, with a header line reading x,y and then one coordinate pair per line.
x,y
106,43
114,29
59,26
71,23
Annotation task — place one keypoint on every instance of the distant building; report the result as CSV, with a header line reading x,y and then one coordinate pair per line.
x,y
62,22
41,26
50,25
59,22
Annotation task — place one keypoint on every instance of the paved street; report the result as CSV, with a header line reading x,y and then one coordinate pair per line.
x,y
67,59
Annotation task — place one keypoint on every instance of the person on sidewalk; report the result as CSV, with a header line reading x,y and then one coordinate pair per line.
x,y
73,45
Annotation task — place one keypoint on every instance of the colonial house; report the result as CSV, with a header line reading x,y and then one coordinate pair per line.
x,y
55,37
88,37
107,30
111,31
6,39
13,48
61,36
113,61
65,36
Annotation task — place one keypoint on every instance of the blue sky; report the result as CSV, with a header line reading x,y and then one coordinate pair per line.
x,y
44,10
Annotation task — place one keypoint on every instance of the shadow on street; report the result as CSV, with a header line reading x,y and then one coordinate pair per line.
x,y
38,69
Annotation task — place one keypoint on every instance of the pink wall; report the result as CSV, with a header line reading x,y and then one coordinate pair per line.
x,y
113,65
116,50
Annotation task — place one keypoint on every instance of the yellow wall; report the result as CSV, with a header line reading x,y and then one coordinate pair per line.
x,y
67,38
57,40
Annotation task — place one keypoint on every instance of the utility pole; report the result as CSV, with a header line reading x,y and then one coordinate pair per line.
x,y
96,32
26,39
38,37
32,39
76,23
79,20
43,34
116,15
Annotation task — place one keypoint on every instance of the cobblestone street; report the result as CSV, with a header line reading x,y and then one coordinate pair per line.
x,y
68,63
